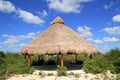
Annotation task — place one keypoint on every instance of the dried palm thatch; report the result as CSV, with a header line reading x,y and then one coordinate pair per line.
x,y
58,38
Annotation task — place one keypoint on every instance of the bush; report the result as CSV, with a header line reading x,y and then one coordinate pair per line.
x,y
115,66
50,74
71,73
92,67
61,71
16,64
96,65
2,55
118,77
31,70
2,64
76,75
42,74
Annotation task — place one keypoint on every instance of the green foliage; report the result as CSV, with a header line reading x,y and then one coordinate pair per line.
x,y
118,77
12,63
61,71
50,61
113,59
42,74
71,73
31,70
76,75
16,64
112,55
2,64
2,55
50,74
97,65
115,66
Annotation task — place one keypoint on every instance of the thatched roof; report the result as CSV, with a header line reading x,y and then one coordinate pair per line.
x,y
58,38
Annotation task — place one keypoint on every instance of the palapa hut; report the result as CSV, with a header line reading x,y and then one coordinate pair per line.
x,y
58,39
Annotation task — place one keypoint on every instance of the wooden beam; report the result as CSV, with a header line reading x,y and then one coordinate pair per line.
x,y
62,61
29,61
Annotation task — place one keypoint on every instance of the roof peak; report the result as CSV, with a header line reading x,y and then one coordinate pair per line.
x,y
58,19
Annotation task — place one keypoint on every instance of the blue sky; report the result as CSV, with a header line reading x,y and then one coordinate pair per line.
x,y
97,21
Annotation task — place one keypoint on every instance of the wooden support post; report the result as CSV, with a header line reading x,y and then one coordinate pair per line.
x,y
57,58
90,56
76,58
38,57
29,61
25,56
62,61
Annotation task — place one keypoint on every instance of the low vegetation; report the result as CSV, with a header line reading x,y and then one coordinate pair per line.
x,y
61,71
13,63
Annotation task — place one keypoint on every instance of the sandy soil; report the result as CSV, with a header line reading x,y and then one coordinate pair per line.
x,y
79,74
82,76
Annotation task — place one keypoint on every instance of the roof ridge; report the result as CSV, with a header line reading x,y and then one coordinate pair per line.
x,y
58,19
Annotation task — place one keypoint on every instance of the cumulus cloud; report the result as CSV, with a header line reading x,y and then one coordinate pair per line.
x,y
29,17
106,39
85,32
22,44
66,5
112,30
14,41
7,6
98,41
116,18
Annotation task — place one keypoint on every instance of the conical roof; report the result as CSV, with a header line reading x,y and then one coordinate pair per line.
x,y
58,38
57,20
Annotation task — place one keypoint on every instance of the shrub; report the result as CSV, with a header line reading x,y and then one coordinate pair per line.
x,y
2,54
31,70
76,75
115,66
42,74
50,74
2,66
61,71
96,65
71,73
118,77
16,64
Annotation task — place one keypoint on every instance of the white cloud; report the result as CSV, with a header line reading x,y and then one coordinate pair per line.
x,y
107,39
13,42
22,44
44,13
84,32
98,41
112,30
109,5
116,18
66,5
11,39
30,35
29,17
7,6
